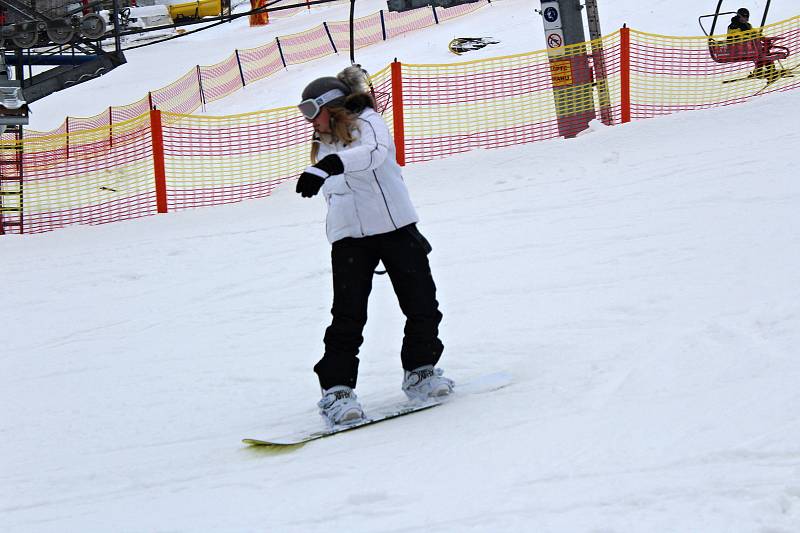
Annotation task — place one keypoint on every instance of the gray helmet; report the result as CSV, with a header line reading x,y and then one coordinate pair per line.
x,y
321,86
743,11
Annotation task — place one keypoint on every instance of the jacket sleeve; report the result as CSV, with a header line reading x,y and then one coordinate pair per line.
x,y
374,146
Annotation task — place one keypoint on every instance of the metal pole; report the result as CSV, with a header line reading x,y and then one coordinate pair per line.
x,y
19,67
599,61
115,14
716,15
352,33
570,71
766,12
593,20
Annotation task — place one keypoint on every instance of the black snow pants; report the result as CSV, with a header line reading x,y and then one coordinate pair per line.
x,y
404,253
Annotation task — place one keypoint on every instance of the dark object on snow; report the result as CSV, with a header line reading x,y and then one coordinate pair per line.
x,y
459,45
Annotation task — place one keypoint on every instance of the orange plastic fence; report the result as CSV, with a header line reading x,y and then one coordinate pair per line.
x,y
86,177
450,109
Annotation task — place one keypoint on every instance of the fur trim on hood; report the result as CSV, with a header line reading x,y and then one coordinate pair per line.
x,y
360,96
356,78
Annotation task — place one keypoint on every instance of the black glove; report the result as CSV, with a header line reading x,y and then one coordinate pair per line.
x,y
311,180
309,183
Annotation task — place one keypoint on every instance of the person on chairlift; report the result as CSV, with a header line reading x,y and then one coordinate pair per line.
x,y
740,22
741,31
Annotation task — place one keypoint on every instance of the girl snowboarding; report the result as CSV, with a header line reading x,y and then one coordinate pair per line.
x,y
370,220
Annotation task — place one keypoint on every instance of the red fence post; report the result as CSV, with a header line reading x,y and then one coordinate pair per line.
x,y
625,72
157,134
397,112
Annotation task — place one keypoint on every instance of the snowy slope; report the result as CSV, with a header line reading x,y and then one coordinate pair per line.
x,y
641,283
514,22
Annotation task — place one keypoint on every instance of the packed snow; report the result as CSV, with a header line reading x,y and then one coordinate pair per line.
x,y
640,283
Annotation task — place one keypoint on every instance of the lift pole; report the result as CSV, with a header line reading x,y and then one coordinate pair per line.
x,y
13,115
570,71
599,61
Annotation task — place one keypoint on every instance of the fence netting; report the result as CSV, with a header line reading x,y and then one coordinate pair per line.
x,y
87,177
670,74
107,173
219,160
498,102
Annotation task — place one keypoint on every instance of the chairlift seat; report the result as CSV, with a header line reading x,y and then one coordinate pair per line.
x,y
760,50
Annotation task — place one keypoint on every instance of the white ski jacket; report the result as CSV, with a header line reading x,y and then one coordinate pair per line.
x,y
370,197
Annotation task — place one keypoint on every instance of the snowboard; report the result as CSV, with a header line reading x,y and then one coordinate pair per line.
x,y
386,411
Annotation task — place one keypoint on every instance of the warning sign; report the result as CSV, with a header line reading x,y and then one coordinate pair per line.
x,y
555,39
561,73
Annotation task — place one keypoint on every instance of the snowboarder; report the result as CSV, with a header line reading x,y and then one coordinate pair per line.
x,y
370,219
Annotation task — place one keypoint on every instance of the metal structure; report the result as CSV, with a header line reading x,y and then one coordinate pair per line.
x,y
44,33
13,115
64,35
599,61
570,68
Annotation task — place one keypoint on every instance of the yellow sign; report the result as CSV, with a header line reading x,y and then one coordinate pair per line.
x,y
561,73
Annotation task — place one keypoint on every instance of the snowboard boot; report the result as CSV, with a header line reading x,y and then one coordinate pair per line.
x,y
426,382
339,406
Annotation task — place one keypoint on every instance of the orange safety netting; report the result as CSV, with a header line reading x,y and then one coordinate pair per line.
x,y
503,101
669,74
87,177
218,160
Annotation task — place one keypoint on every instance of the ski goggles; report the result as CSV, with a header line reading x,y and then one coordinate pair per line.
x,y
311,108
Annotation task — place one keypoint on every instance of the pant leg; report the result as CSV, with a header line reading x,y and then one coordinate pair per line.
x,y
406,262
353,263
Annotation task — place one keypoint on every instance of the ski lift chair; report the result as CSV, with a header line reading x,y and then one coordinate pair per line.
x,y
751,46
760,50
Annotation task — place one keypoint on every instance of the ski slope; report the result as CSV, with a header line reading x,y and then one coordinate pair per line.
x,y
513,22
640,283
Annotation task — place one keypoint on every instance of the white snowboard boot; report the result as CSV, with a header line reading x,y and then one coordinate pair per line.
x,y
426,382
339,406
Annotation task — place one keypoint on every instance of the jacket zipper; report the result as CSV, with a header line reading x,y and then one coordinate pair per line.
x,y
384,199
355,208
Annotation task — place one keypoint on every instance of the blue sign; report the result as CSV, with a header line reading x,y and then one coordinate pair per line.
x,y
550,14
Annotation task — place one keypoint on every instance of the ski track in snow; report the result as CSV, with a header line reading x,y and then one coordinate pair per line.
x,y
641,283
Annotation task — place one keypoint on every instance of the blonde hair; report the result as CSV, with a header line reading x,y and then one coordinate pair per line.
x,y
343,121
342,125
